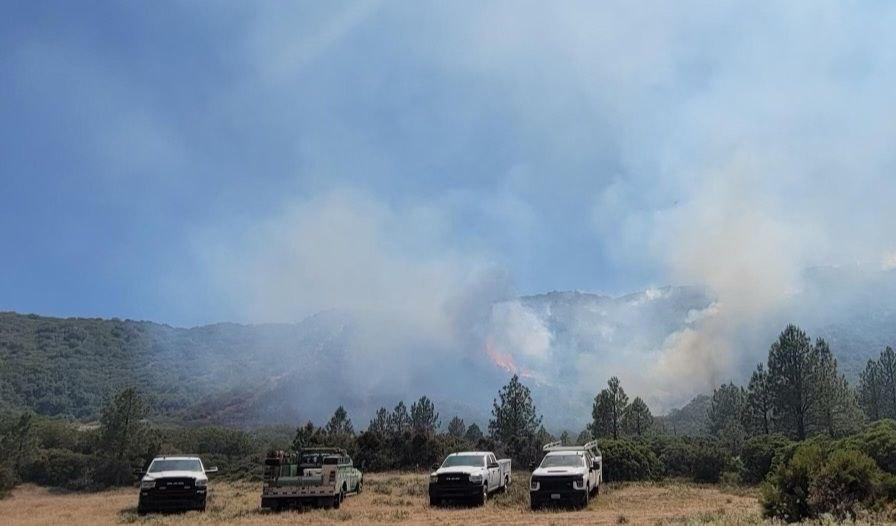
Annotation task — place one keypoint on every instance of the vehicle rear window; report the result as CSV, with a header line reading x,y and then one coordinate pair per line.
x,y
184,464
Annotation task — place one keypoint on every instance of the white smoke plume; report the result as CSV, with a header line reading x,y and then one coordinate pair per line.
x,y
726,145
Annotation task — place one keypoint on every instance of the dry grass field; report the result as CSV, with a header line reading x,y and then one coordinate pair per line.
x,y
394,498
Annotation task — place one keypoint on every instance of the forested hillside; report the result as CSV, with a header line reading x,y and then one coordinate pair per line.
x,y
72,366
274,373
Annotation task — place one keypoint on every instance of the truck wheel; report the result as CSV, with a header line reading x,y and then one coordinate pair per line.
x,y
583,503
483,498
337,500
360,487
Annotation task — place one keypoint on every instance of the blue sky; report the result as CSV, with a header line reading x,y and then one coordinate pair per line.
x,y
190,162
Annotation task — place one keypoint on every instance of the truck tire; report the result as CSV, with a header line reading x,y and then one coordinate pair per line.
x,y
483,497
337,500
583,503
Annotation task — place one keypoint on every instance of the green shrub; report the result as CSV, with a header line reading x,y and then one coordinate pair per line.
x,y
709,462
761,454
820,480
848,481
677,459
878,441
629,460
63,468
8,480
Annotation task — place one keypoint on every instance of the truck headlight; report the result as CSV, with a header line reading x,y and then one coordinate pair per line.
x,y
534,485
201,483
147,484
579,484
433,478
476,479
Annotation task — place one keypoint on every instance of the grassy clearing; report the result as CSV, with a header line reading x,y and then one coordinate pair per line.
x,y
398,498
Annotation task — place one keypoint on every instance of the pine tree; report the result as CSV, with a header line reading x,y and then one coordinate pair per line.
x,y
399,421
456,427
887,363
602,415
637,419
609,407
473,434
871,391
307,436
379,424
727,410
836,410
339,431
790,375
759,401
424,418
514,422
123,433
727,417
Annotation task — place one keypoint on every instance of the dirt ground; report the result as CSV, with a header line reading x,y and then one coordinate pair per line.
x,y
395,498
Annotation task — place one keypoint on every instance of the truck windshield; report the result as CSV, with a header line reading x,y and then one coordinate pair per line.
x,y
562,461
464,460
181,464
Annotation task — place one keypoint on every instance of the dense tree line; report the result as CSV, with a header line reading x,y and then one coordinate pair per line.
x,y
613,416
798,392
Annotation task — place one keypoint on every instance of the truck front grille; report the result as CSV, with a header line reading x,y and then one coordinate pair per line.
x,y
175,486
556,483
454,479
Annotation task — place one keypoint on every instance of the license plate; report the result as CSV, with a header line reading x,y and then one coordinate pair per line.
x,y
555,496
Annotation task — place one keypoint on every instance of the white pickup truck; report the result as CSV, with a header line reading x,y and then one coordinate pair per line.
x,y
567,474
468,475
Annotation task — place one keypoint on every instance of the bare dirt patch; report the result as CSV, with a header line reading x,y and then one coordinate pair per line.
x,y
395,498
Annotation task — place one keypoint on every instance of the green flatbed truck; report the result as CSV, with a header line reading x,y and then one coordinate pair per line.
x,y
321,476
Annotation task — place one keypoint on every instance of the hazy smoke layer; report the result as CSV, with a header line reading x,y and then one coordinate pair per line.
x,y
723,145
410,303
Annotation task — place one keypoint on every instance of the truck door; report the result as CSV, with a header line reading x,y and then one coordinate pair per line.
x,y
494,473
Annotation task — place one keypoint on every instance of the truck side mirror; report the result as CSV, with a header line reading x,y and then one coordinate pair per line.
x,y
435,467
493,465
213,469
532,466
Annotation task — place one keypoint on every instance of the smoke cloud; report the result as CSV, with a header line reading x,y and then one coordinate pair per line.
x,y
723,145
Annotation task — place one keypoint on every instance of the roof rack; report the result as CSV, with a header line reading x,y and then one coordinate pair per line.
x,y
551,445
558,446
